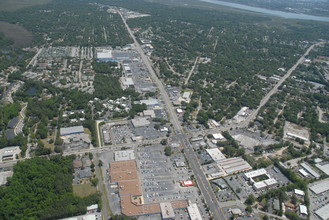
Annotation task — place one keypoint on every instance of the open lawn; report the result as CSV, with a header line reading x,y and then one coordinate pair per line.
x,y
20,35
83,190
11,5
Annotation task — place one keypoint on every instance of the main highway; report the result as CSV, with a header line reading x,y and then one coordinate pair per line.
x,y
204,185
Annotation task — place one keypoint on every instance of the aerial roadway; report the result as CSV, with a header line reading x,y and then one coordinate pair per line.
x,y
204,185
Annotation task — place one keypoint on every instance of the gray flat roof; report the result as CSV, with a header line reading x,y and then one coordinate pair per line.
x,y
323,212
320,187
309,169
140,122
71,130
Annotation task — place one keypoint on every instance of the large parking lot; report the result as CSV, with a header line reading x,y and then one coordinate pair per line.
x,y
160,179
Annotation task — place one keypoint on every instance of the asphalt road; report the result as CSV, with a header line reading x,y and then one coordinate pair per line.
x,y
204,185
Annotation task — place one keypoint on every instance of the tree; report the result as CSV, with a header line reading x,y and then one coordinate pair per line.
x,y
164,142
250,200
168,151
100,163
94,181
249,209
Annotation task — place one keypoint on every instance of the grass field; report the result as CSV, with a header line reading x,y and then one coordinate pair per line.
x,y
20,35
11,5
83,190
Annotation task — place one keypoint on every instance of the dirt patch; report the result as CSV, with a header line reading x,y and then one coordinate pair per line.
x,y
20,35
84,190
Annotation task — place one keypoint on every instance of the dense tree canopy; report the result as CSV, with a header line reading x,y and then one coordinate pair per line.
x,y
42,189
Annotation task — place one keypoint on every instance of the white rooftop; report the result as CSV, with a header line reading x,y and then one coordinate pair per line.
x,y
320,187
194,212
303,172
92,207
218,136
124,155
270,182
104,54
303,209
260,185
299,192
215,154
255,173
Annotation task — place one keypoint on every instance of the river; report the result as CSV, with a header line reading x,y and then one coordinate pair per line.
x,y
269,11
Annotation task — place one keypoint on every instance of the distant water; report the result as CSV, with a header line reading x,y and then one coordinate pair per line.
x,y
269,11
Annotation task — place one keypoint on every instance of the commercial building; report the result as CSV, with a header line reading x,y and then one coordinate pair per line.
x,y
149,102
149,113
125,175
71,130
255,173
194,212
215,154
218,136
233,165
323,213
310,170
320,187
104,54
323,167
259,186
9,153
128,82
268,182
187,183
123,155
167,211
140,122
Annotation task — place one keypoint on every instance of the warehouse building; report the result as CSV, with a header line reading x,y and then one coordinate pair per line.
x,y
233,165
310,170
71,130
323,213
320,187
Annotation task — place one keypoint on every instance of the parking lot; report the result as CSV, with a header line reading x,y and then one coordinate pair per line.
x,y
121,134
317,201
160,179
148,133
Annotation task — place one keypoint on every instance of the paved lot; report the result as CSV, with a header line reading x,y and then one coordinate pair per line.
x,y
121,134
160,179
317,201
